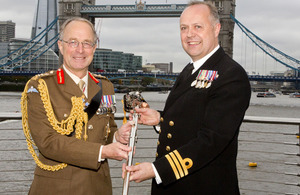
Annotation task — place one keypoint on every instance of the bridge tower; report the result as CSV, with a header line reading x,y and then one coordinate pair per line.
x,y
225,8
71,8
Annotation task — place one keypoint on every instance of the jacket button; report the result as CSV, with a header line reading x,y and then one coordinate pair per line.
x,y
90,127
171,123
161,119
168,148
65,115
156,154
158,142
169,135
159,131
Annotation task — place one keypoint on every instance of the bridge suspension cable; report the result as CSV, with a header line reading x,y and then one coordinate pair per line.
x,y
268,49
30,51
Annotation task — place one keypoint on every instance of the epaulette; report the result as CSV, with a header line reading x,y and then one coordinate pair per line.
x,y
98,76
46,74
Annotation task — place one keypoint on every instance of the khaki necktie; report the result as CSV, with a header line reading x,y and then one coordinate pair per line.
x,y
81,85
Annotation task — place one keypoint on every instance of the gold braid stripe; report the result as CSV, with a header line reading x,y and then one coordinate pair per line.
x,y
65,127
179,164
173,166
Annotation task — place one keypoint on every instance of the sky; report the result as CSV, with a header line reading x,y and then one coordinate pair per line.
x,y
277,22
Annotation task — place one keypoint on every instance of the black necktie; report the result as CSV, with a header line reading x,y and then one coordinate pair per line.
x,y
185,74
188,71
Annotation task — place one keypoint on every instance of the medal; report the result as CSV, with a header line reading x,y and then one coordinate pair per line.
x,y
194,83
107,105
204,79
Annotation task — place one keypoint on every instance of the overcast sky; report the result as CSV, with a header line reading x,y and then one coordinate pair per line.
x,y
157,39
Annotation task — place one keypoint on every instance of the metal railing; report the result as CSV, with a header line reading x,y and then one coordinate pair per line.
x,y
272,144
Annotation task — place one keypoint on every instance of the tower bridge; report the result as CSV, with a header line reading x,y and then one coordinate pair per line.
x,y
128,11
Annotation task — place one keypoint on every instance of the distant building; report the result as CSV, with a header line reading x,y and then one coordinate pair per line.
x,y
158,67
3,49
45,62
149,68
7,30
111,61
45,14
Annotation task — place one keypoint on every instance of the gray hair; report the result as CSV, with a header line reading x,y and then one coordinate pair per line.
x,y
213,10
68,21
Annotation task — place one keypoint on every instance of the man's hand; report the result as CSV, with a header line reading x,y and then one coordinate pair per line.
x,y
123,133
116,151
139,173
147,116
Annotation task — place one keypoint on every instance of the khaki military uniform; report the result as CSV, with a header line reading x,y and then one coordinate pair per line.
x,y
77,168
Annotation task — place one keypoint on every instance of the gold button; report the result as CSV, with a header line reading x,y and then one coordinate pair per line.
x,y
158,142
161,119
168,148
156,154
171,123
90,127
65,115
169,135
159,131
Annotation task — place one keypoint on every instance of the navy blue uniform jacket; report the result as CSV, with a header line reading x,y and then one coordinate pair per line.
x,y
198,141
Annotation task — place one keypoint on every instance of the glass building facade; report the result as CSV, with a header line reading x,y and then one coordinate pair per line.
x,y
112,61
46,61
45,14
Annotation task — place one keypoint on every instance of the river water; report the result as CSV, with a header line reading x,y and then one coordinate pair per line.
x,y
280,106
249,148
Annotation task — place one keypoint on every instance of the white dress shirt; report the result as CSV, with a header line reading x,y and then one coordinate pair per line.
x,y
200,62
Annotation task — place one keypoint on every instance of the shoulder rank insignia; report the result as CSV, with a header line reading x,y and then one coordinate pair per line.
x,y
32,90
98,76
205,78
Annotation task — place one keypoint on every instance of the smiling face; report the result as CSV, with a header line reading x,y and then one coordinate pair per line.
x,y
198,32
77,59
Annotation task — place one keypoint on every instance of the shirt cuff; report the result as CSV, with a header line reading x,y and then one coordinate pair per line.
x,y
156,128
100,153
157,177
114,139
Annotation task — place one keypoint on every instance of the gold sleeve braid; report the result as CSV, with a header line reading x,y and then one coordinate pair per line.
x,y
65,127
179,166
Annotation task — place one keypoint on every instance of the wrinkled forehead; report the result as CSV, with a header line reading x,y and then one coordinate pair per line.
x,y
78,29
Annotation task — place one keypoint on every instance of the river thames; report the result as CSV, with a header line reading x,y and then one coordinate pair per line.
x,y
280,106
261,143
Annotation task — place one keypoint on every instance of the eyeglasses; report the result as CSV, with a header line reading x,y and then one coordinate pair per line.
x,y
75,43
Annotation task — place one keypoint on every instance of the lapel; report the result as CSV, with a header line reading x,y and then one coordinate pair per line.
x,y
93,88
179,89
70,86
